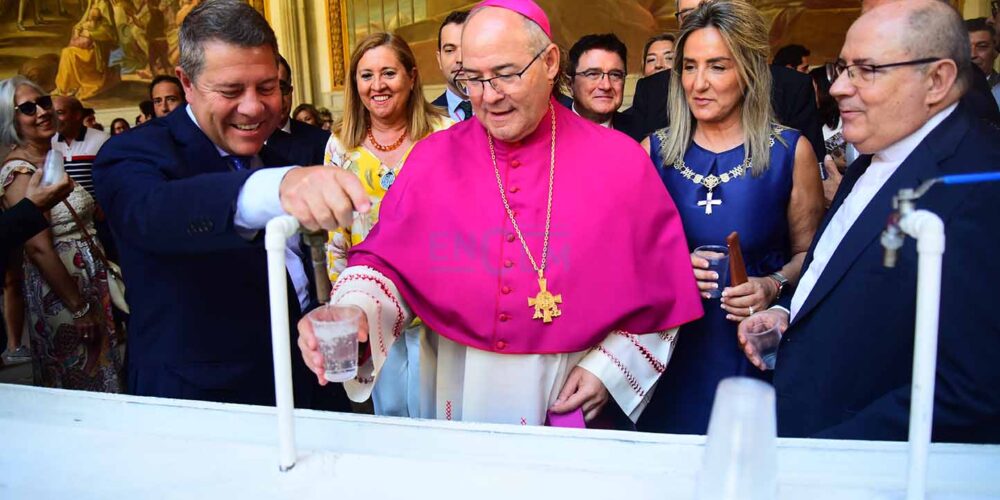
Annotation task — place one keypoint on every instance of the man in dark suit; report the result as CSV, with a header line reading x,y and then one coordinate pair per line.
x,y
296,141
188,194
792,96
26,218
449,58
597,77
844,363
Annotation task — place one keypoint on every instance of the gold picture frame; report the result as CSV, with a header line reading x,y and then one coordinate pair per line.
x,y
340,53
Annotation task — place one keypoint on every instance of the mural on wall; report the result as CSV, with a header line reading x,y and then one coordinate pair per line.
x,y
102,51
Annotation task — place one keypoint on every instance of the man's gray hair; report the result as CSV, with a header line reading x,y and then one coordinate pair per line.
x,y
229,21
537,39
8,129
937,30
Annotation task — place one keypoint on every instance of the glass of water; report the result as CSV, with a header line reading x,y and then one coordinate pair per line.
x,y
336,330
763,334
718,261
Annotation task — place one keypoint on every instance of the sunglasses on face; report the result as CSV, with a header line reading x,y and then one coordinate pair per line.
x,y
31,107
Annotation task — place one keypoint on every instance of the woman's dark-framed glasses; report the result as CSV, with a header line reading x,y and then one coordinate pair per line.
x,y
863,75
31,107
500,83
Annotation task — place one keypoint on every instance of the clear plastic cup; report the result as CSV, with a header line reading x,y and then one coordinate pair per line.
x,y
718,261
53,170
336,330
763,334
740,460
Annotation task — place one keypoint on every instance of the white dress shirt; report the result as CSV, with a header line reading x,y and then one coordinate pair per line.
x,y
884,163
258,203
453,101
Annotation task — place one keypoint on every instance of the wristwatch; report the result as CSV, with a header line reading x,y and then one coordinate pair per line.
x,y
781,280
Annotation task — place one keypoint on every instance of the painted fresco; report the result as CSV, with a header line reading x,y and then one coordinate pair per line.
x,y
102,51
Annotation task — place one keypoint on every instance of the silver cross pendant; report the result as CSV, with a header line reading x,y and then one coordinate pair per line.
x,y
708,202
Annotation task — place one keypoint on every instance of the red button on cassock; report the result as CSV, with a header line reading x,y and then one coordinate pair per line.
x,y
510,238
515,163
505,290
514,189
504,317
508,263
501,345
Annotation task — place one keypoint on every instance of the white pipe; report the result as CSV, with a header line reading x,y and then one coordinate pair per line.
x,y
278,230
928,230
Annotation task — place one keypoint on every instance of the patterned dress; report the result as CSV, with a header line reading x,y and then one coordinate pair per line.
x,y
60,357
397,391
376,178
757,207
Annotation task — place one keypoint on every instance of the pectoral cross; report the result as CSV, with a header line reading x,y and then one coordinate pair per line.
x,y
545,303
708,202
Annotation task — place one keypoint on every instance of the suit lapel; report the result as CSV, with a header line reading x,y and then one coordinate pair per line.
x,y
920,165
197,148
854,172
271,157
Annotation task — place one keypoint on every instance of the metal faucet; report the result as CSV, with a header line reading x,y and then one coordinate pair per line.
x,y
905,203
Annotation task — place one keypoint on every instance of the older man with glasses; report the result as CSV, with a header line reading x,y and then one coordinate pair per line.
x,y
513,237
844,365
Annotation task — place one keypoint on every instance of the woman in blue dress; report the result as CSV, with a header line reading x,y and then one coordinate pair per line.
x,y
728,167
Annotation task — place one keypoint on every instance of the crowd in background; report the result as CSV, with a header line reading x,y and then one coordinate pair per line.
x,y
59,286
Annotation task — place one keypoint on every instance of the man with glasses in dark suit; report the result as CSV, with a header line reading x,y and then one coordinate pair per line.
x,y
844,364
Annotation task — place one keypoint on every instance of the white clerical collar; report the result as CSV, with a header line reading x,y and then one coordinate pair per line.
x,y
605,124
902,149
287,127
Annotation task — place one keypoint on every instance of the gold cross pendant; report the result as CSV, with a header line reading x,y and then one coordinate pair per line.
x,y
545,303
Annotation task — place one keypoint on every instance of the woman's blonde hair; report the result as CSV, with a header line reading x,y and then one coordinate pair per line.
x,y
422,115
745,33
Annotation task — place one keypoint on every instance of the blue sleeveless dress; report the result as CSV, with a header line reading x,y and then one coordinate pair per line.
x,y
757,207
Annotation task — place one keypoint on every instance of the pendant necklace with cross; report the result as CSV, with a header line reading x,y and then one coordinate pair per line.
x,y
708,203
711,181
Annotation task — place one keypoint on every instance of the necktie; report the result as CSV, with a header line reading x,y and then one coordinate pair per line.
x,y
466,108
238,162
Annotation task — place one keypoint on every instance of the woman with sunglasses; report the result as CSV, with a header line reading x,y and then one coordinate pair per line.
x,y
74,341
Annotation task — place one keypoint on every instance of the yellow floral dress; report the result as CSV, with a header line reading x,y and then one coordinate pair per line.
x,y
376,178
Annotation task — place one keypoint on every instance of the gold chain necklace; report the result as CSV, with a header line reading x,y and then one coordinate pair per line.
x,y
382,148
712,181
545,303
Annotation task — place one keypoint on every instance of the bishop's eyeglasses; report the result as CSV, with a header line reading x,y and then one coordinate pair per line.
x,y
500,83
